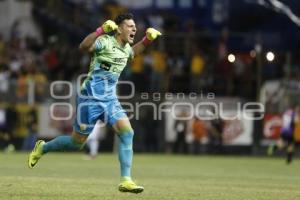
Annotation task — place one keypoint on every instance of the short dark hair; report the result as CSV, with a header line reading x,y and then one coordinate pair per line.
x,y
120,18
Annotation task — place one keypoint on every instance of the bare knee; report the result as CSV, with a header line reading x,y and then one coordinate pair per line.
x,y
123,125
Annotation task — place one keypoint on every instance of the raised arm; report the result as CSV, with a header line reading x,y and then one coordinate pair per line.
x,y
151,35
87,44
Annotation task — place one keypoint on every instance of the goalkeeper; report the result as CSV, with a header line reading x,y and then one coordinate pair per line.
x,y
97,98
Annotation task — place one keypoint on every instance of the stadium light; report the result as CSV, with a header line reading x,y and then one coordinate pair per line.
x,y
270,56
231,58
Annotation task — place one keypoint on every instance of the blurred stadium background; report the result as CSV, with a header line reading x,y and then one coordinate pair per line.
x,y
223,51
240,52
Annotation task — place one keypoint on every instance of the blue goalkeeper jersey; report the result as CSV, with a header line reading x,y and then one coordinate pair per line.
x,y
108,61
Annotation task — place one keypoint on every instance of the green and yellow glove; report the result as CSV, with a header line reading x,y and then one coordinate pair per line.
x,y
106,27
151,34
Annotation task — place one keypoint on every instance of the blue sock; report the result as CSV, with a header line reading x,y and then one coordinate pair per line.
x,y
61,143
125,152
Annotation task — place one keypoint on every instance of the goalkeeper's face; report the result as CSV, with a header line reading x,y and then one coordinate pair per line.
x,y
127,31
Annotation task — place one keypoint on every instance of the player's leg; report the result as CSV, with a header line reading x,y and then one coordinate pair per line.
x,y
117,118
65,143
125,133
290,151
278,146
86,115
60,143
93,141
93,147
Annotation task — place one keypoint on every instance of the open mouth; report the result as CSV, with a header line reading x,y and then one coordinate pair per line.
x,y
131,36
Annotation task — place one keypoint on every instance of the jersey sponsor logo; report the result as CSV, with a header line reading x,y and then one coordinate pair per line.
x,y
116,70
120,60
83,127
106,66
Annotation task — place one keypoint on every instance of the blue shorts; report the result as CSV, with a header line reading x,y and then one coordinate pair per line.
x,y
97,101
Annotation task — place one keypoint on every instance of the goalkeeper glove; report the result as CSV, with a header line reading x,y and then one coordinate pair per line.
x,y
107,27
151,34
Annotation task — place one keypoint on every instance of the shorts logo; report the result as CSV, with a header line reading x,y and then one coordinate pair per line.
x,y
83,127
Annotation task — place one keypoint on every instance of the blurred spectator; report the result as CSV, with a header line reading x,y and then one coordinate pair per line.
x,y
199,134
137,73
4,78
159,66
141,24
7,123
32,128
22,86
197,68
51,58
222,45
271,70
243,76
2,45
21,127
180,128
11,116
15,67
156,20
112,9
84,63
224,77
40,82
178,71
171,22
151,130
215,132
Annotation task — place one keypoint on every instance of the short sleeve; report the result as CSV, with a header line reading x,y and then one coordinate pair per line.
x,y
131,53
100,43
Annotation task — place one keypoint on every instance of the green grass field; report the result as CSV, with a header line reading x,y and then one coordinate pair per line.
x,y
70,176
